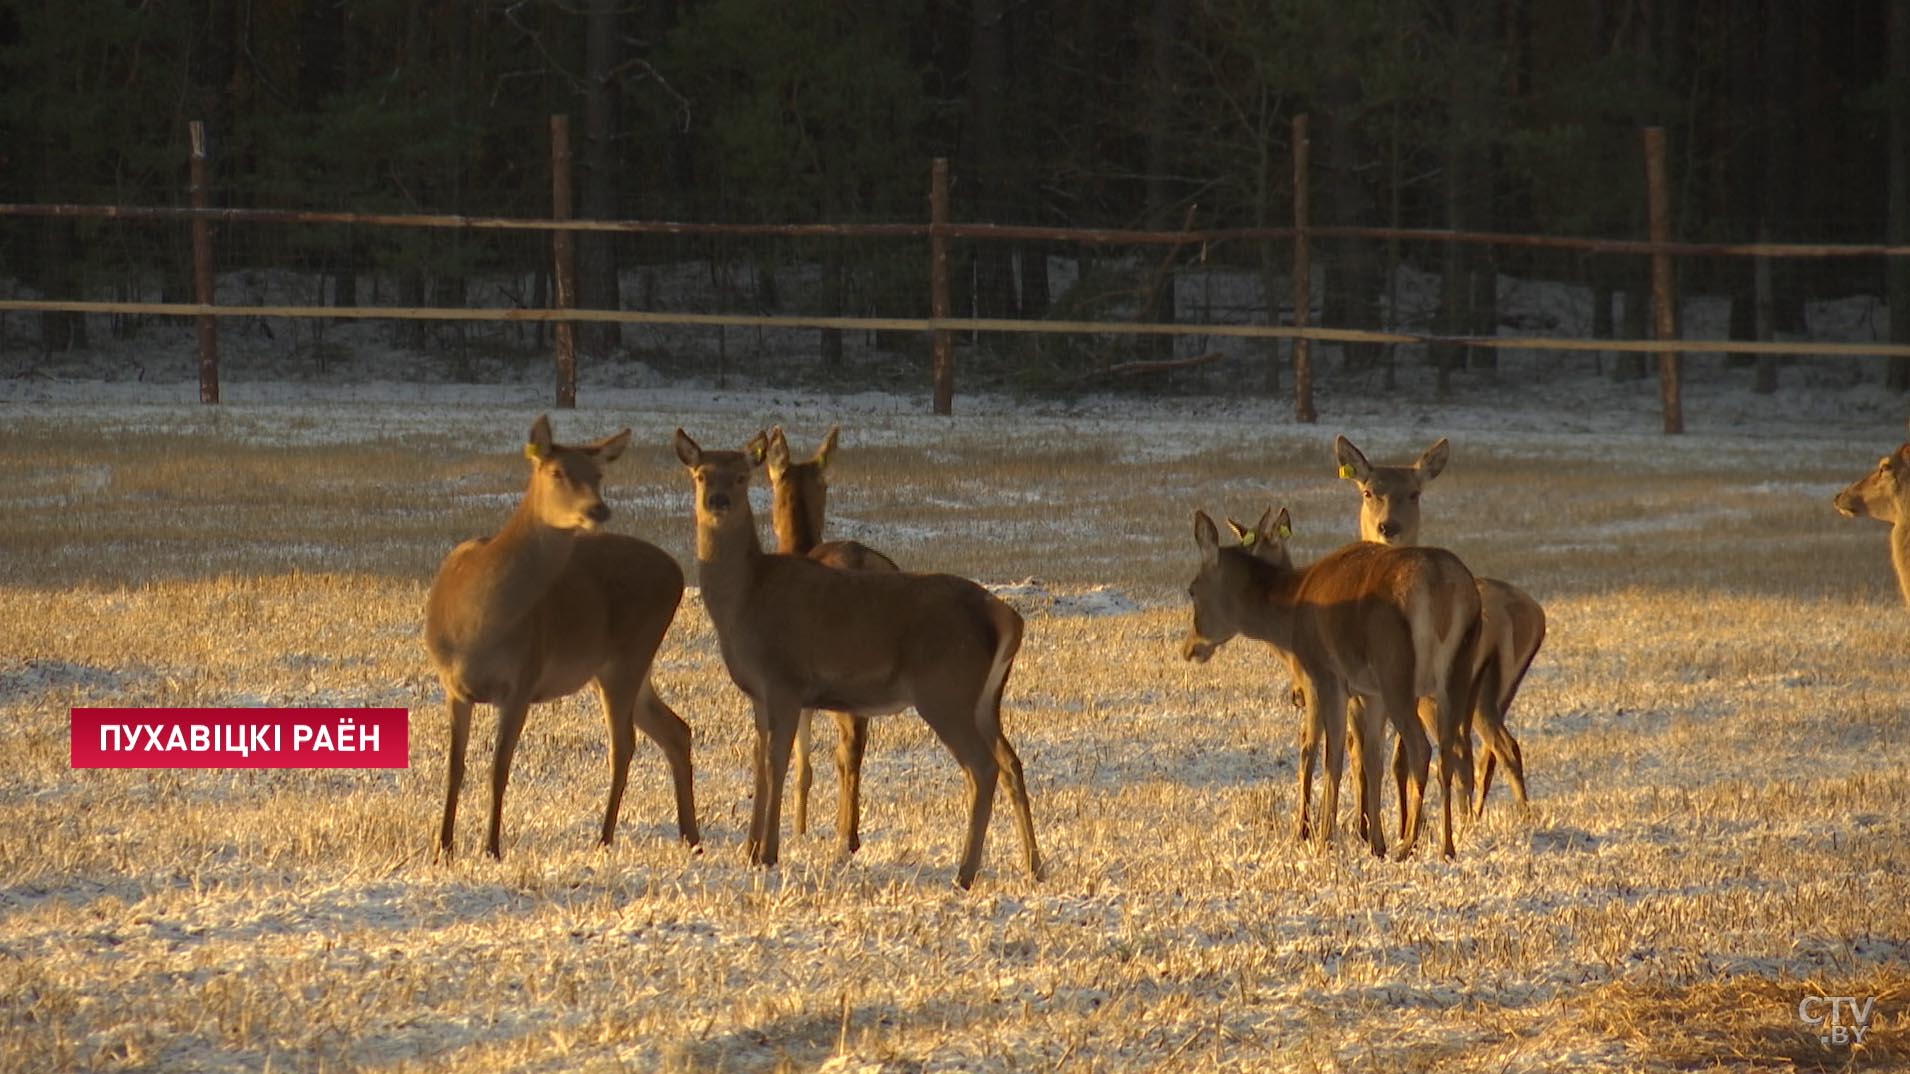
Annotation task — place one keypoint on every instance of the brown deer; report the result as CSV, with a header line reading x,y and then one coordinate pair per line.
x,y
797,634
1388,625
801,494
546,605
1511,623
1884,494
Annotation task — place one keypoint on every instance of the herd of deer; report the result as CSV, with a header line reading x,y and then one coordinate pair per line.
x,y
1382,632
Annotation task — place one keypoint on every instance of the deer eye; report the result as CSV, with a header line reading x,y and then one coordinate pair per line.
x,y
1368,493
1414,497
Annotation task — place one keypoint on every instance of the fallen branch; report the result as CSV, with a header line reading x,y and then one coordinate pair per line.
x,y
1129,369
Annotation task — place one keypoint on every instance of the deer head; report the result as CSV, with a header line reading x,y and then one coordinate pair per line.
x,y
1225,590
1883,493
1389,495
566,486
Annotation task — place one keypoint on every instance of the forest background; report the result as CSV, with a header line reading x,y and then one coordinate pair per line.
x,y
1789,121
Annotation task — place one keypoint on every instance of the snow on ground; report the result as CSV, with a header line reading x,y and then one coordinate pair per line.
x,y
241,925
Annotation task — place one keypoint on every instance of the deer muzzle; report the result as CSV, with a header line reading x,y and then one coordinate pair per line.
x,y
1196,648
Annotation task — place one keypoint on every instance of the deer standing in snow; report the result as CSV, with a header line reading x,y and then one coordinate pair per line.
x,y
1387,625
545,606
1511,623
797,634
800,498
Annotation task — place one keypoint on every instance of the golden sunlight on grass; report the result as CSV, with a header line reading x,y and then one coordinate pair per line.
x,y
1714,735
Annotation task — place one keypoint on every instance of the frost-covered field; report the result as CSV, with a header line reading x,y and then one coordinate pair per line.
x,y
1714,733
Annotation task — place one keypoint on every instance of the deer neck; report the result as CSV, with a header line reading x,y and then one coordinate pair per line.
x,y
1272,595
1900,552
517,566
797,518
728,554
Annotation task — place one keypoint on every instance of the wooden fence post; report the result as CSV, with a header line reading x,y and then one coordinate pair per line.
x,y
203,282
942,345
1302,278
564,258
1664,287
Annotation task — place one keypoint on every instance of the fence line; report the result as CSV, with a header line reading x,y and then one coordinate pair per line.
x,y
985,232
938,231
963,324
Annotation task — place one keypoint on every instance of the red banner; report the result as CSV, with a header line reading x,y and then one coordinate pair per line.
x,y
241,738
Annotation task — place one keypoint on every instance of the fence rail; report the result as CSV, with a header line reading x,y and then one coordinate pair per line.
x,y
938,233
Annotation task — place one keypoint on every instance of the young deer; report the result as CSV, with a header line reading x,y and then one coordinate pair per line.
x,y
801,493
1388,625
1511,623
1884,494
547,604
797,634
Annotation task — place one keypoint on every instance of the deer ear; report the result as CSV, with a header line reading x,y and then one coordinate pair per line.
x,y
686,450
778,453
539,443
1206,537
1434,460
757,450
828,447
1241,533
612,446
1263,529
1283,525
1353,465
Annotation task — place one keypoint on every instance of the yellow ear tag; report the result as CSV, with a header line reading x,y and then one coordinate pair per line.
x,y
1286,532
1248,538
533,452
1346,471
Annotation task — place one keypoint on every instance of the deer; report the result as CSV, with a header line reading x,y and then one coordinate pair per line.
x,y
1884,494
1511,623
800,493
1384,624
795,633
549,603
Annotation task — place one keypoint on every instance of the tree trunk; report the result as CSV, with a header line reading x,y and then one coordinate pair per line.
x,y
1781,195
1166,20
1898,374
597,266
1741,199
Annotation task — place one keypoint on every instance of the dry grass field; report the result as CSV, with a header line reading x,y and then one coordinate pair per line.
x,y
1714,733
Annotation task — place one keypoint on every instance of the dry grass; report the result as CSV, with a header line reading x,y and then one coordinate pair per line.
x,y
1714,735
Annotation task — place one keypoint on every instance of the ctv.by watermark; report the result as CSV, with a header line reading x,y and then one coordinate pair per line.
x,y
1839,1020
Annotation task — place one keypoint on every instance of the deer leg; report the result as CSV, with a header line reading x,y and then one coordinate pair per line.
x,y
781,718
664,727
1417,757
1400,782
1356,754
852,738
510,725
454,770
1370,736
1010,765
1327,711
759,794
619,708
955,726
804,773
1309,754
1455,753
